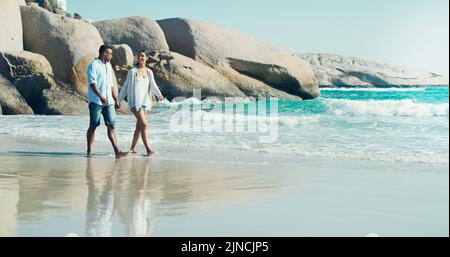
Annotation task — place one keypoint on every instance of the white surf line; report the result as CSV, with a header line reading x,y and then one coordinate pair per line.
x,y
265,163
387,89
9,175
40,177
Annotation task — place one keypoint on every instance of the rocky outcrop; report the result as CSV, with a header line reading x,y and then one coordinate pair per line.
x,y
253,86
335,70
121,62
11,38
47,96
32,76
77,16
177,75
58,39
22,63
123,55
11,101
241,58
140,33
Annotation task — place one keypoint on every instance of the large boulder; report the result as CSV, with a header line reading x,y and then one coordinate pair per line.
x,y
68,44
33,77
140,33
48,96
121,62
11,101
11,38
255,88
123,55
22,63
231,52
335,71
177,75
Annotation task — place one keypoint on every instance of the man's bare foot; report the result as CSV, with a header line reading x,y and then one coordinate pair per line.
x,y
121,154
89,155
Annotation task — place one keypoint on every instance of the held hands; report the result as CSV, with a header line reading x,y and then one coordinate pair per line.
x,y
161,98
117,104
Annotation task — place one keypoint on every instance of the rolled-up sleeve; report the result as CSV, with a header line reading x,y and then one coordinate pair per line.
x,y
91,74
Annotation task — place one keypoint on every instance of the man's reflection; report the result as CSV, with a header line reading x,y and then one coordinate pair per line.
x,y
106,194
100,201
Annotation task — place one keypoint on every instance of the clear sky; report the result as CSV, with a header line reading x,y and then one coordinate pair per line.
x,y
412,33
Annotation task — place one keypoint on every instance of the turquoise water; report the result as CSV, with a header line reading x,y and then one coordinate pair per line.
x,y
381,124
418,99
420,95
406,125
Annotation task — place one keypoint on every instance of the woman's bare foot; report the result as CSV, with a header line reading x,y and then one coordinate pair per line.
x,y
89,155
132,151
121,154
150,152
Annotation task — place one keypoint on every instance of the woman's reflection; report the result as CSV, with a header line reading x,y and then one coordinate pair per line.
x,y
144,209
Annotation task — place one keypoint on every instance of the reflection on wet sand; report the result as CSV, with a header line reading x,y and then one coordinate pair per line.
x,y
135,205
9,196
100,202
144,209
135,193
56,195
129,197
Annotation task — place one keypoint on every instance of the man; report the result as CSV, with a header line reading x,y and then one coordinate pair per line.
x,y
102,96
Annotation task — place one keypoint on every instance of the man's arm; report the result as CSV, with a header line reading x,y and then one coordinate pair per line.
x,y
114,87
92,80
94,88
114,91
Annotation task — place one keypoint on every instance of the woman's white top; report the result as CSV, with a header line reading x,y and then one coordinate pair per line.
x,y
139,90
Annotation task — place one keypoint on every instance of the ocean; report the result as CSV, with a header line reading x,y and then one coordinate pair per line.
x,y
403,125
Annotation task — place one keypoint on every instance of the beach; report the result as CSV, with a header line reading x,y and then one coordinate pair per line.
x,y
46,192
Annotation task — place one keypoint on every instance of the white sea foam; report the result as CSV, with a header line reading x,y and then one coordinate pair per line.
x,y
210,100
290,121
338,152
407,108
378,130
375,89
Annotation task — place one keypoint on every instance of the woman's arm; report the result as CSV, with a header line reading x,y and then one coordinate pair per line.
x,y
153,87
124,89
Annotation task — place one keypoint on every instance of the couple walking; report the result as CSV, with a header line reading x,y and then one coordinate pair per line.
x,y
103,97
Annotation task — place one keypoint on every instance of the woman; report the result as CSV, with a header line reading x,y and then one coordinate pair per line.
x,y
139,87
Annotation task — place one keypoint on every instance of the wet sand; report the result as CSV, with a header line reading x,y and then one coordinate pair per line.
x,y
57,191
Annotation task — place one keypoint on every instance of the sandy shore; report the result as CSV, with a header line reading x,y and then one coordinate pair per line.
x,y
52,190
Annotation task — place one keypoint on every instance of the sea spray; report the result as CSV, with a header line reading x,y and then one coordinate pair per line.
x,y
189,118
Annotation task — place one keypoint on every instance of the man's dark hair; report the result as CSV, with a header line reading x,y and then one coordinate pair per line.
x,y
103,49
